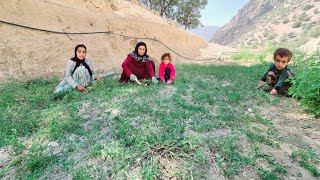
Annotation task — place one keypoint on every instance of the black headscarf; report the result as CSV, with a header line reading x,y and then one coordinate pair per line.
x,y
80,61
137,57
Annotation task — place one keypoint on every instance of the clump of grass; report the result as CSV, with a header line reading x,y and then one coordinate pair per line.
x,y
247,56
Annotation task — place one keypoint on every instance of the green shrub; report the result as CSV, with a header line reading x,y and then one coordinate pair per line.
x,y
307,26
303,17
292,35
285,21
296,24
314,32
316,11
265,34
306,84
307,7
274,21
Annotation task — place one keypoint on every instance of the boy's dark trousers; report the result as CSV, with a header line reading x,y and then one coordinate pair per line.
x,y
167,72
272,80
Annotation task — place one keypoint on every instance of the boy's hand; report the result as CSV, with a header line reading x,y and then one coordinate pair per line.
x,y
261,83
80,88
273,92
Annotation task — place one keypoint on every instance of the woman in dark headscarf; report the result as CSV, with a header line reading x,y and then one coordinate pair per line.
x,y
138,65
79,72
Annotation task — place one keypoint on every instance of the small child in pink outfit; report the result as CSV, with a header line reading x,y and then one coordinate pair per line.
x,y
167,72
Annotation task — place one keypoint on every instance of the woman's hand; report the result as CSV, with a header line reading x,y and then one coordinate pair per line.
x,y
80,88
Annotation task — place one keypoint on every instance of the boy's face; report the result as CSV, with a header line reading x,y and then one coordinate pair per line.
x,y
281,62
166,60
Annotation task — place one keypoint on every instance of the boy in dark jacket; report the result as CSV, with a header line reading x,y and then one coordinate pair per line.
x,y
278,73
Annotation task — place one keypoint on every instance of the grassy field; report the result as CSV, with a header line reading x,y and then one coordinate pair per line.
x,y
210,124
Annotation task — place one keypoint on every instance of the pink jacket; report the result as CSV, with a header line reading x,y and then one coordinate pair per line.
x,y
162,68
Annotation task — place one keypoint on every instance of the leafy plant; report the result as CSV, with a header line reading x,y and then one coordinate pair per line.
x,y
306,85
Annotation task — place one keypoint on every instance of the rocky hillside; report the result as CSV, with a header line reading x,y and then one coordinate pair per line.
x,y
29,53
288,22
205,32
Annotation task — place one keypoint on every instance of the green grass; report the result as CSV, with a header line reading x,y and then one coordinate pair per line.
x,y
124,131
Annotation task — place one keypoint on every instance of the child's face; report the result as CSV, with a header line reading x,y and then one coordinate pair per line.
x,y
141,50
166,60
281,62
81,53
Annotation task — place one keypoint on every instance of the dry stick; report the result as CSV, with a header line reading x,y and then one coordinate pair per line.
x,y
67,34
137,81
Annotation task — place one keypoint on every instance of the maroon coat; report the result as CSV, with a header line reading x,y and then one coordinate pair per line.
x,y
143,70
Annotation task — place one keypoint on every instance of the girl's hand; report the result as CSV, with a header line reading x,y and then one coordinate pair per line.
x,y
273,92
97,78
169,82
80,88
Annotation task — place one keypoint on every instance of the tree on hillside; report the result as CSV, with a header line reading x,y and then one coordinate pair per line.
x,y
148,3
188,13
166,8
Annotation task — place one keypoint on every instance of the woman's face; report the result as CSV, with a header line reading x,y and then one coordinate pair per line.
x,y
141,50
81,53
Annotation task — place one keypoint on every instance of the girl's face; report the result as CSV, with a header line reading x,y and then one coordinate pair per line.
x,y
141,50
166,60
81,53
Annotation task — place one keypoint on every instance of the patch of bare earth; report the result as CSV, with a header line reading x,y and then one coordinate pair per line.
x,y
299,130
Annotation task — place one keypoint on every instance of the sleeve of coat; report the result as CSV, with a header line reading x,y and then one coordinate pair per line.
x,y
264,77
89,62
125,65
161,69
69,71
172,73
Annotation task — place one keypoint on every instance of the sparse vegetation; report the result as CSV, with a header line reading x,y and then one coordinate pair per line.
x,y
307,159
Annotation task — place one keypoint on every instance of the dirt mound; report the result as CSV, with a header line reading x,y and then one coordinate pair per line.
x,y
29,53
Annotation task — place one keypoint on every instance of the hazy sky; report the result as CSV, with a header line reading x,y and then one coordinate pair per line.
x,y
219,12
